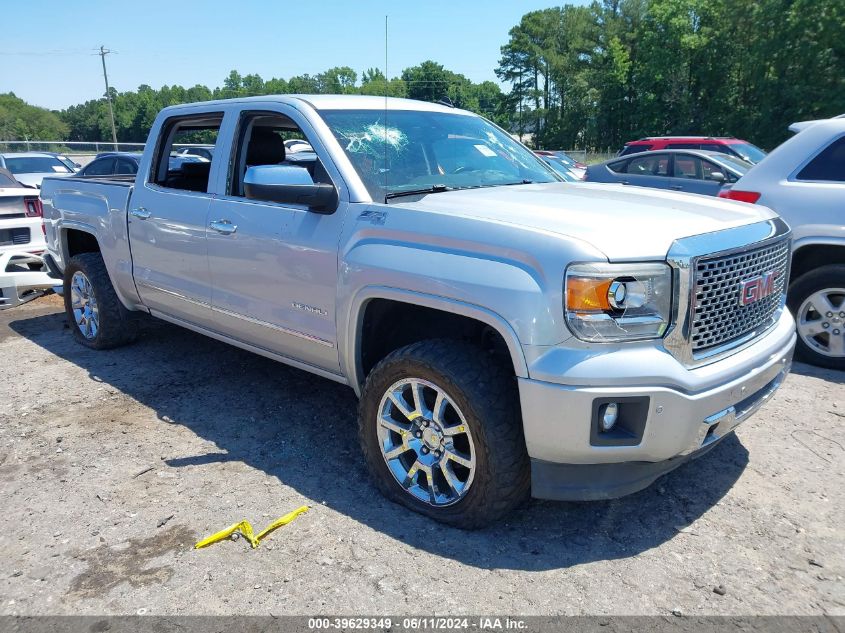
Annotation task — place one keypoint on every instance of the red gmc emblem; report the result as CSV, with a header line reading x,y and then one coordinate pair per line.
x,y
757,288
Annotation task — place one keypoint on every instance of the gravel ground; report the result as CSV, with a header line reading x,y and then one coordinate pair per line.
x,y
114,463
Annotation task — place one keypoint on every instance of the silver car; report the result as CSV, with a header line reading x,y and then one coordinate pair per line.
x,y
30,168
691,171
803,180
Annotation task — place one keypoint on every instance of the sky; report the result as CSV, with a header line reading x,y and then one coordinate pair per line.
x,y
51,60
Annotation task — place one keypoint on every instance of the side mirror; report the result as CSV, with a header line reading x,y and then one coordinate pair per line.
x,y
717,176
289,185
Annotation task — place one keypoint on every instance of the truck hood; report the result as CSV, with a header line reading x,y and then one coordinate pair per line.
x,y
625,223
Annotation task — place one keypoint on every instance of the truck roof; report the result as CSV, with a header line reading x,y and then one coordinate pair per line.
x,y
335,102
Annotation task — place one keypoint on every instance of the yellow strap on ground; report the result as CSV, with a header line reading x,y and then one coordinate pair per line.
x,y
245,528
290,516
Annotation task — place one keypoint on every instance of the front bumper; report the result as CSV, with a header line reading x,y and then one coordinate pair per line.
x,y
680,422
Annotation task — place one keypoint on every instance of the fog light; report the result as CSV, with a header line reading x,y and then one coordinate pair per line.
x,y
609,416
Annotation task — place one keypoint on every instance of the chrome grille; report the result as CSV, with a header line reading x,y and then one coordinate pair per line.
x,y
718,318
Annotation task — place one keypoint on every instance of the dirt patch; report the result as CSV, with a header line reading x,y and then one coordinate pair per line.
x,y
109,566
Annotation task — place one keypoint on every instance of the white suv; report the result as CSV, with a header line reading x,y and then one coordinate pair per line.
x,y
804,181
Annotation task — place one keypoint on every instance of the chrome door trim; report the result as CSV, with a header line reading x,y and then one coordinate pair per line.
x,y
237,315
682,258
172,293
298,364
273,326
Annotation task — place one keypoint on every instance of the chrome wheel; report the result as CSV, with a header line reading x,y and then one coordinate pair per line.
x,y
821,322
84,305
426,442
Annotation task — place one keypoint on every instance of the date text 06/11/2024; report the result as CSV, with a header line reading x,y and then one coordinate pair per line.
x,y
438,623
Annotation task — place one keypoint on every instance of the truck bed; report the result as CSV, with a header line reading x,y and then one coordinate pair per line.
x,y
98,206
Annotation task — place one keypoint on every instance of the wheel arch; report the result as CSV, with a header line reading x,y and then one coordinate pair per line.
x,y
352,344
809,254
75,237
78,238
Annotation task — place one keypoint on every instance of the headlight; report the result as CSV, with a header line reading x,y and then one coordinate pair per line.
x,y
618,302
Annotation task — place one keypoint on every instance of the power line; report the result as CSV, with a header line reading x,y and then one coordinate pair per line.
x,y
103,52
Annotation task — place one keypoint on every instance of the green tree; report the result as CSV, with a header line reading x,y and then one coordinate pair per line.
x,y
427,82
337,80
21,121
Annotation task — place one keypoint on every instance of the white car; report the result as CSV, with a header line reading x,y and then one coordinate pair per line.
x,y
21,243
29,168
804,181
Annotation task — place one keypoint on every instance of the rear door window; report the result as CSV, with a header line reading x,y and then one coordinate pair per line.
x,y
828,165
650,165
101,167
186,173
708,169
618,167
126,166
688,167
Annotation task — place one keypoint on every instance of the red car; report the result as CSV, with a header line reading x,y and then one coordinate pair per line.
x,y
725,144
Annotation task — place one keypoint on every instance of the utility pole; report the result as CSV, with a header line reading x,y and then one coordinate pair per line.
x,y
103,52
520,106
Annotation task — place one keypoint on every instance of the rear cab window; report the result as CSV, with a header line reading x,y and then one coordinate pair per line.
x,y
828,165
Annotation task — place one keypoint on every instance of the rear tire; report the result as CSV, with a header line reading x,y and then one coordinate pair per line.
x,y
95,315
817,301
468,463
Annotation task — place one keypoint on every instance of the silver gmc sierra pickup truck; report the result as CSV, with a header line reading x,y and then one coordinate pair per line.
x,y
507,333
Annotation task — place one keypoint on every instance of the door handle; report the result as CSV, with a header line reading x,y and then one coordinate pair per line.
x,y
223,226
625,182
676,187
141,213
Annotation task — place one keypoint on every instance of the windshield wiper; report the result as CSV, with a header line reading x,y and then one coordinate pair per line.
x,y
416,192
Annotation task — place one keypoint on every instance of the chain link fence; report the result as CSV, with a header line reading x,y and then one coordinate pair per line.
x,y
590,157
78,151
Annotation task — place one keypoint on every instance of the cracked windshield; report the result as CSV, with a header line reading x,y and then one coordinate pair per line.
x,y
397,152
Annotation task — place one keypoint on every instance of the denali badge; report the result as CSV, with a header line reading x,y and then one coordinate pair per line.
x,y
307,308
757,288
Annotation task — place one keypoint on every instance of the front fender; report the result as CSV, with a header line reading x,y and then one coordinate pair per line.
x,y
817,235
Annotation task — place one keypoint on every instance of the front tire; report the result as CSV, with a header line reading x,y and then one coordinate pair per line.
x,y
95,315
440,429
817,301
